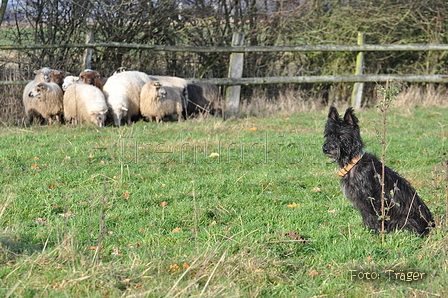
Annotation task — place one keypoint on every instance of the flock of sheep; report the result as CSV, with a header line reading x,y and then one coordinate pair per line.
x,y
125,96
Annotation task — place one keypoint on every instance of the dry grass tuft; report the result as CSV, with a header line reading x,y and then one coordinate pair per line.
x,y
287,103
422,96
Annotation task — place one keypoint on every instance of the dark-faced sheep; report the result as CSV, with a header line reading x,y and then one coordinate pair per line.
x,y
44,99
159,101
85,104
92,77
122,92
58,76
204,98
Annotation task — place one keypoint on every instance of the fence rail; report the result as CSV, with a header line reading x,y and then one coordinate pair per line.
x,y
241,49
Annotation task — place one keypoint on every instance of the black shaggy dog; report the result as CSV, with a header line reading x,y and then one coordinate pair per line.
x,y
360,175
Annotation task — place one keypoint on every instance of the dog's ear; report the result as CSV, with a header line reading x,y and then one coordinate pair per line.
x,y
333,114
350,117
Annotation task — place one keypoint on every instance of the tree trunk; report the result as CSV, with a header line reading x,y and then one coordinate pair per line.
x,y
3,10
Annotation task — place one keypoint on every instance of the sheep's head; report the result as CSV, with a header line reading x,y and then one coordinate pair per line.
x,y
121,69
58,76
68,81
99,118
160,90
43,74
37,90
89,76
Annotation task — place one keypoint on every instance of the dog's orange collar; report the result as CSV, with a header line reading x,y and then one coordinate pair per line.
x,y
343,171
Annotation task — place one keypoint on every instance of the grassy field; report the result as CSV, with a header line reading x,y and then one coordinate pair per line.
x,y
205,208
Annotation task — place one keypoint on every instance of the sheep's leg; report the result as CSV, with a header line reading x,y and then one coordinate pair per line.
x,y
179,112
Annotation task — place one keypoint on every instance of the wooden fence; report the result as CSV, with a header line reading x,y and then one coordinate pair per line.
x,y
236,63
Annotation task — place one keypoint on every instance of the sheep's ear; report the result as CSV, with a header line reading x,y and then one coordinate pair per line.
x,y
97,74
55,73
42,85
37,71
105,112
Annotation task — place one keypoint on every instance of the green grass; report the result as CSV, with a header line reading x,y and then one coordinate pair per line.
x,y
152,210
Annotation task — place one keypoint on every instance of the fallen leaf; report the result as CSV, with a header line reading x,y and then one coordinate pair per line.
x,y
91,155
116,252
316,189
67,214
34,167
41,221
214,154
369,259
332,211
253,128
36,158
126,195
163,204
174,267
313,273
96,247
176,230
163,185
292,205
51,186
185,266
296,237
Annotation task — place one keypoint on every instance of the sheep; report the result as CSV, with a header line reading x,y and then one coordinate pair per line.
x,y
68,81
42,75
160,100
92,77
85,103
204,97
122,69
177,83
122,92
58,76
44,99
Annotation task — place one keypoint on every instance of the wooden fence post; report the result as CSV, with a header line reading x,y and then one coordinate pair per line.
x,y
358,87
235,71
87,58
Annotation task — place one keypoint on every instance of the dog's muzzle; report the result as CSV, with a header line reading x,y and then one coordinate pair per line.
x,y
329,151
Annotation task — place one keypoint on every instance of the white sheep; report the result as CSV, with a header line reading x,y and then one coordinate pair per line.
x,y
176,82
68,81
122,91
84,103
42,75
44,99
160,100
